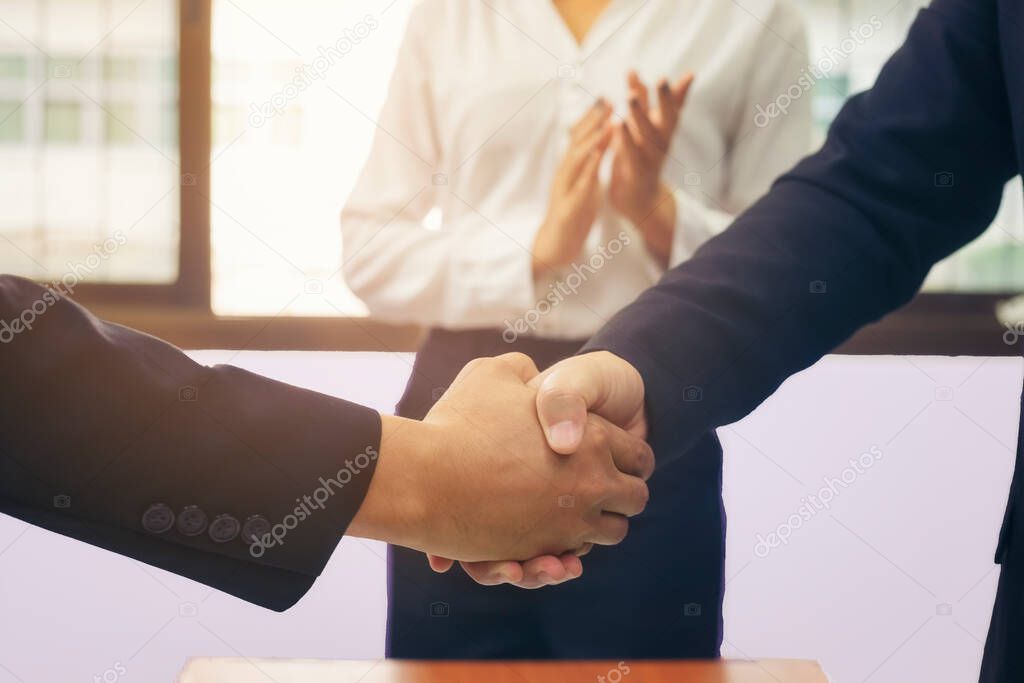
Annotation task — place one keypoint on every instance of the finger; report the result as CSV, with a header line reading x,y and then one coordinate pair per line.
x,y
651,138
588,177
594,117
598,382
581,156
583,550
682,88
631,455
520,364
597,112
638,89
494,573
668,109
585,135
611,529
573,564
628,498
550,571
630,147
546,570
440,564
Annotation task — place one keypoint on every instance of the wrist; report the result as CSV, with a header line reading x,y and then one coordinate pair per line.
x,y
394,508
544,255
657,209
657,223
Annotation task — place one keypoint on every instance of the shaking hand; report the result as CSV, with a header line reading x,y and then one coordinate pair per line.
x,y
568,393
476,480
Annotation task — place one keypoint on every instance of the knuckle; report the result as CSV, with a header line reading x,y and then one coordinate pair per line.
x,y
600,435
476,364
619,530
643,496
593,487
517,357
645,460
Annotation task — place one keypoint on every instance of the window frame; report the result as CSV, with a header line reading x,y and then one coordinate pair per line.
x,y
191,289
181,312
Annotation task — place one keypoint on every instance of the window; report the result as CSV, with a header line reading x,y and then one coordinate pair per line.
x,y
88,140
275,230
63,122
120,69
13,67
12,123
238,215
849,42
119,123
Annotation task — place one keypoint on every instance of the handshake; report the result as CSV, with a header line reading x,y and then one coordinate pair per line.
x,y
515,473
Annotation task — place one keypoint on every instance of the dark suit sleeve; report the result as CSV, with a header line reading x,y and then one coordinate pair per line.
x,y
911,170
104,430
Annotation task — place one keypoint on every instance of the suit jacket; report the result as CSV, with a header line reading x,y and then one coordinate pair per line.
x,y
118,439
911,170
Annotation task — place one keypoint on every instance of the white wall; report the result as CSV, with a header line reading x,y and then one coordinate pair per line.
x,y
860,586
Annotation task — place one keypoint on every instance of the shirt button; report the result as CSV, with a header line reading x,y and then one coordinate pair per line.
x,y
158,518
255,529
224,528
192,521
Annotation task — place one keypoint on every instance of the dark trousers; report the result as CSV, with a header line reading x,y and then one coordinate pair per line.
x,y
656,595
1004,648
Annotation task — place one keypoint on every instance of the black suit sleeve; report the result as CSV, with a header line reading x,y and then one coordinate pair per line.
x,y
911,170
118,439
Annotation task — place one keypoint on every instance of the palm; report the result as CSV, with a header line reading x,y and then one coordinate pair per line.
x,y
622,184
630,186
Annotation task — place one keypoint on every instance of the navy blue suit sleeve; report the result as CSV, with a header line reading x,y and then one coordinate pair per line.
x,y
98,423
911,170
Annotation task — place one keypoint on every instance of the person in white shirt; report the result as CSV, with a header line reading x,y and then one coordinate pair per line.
x,y
537,165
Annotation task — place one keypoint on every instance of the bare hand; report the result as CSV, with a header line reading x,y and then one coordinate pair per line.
x,y
575,193
600,382
487,485
641,147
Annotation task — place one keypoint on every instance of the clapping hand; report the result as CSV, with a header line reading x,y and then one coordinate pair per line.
x,y
575,193
641,146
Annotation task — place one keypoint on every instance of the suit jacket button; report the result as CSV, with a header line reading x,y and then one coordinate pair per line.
x,y
192,521
255,528
224,528
158,518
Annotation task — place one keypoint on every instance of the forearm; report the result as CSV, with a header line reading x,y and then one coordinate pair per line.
x,y
468,274
844,238
720,332
109,435
657,225
394,509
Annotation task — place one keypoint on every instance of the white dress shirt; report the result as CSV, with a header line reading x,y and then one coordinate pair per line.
x,y
476,121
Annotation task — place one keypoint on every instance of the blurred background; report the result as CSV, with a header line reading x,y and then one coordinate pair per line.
x,y
90,132
173,133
